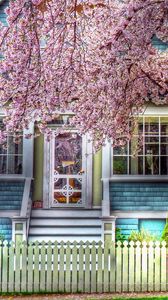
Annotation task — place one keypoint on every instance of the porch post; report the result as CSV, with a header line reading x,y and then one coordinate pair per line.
x,y
108,221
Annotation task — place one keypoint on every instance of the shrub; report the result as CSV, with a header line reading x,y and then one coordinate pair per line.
x,y
142,236
1,237
165,233
119,236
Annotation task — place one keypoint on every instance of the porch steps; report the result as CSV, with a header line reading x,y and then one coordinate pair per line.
x,y
65,224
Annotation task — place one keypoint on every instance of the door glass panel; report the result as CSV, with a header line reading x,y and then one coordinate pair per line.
x,y
67,173
68,153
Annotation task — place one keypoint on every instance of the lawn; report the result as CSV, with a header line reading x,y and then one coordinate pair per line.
x,y
132,296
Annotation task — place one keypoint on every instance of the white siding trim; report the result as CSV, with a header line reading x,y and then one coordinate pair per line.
x,y
28,152
138,178
9,214
106,160
46,173
141,214
106,199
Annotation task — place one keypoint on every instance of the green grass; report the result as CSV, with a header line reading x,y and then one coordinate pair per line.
x,y
135,298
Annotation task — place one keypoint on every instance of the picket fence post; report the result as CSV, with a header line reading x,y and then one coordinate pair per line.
x,y
11,267
112,267
5,267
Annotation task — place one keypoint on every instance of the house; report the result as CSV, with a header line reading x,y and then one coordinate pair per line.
x,y
60,190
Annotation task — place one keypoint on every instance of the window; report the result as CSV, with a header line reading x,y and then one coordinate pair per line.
x,y
152,157
11,156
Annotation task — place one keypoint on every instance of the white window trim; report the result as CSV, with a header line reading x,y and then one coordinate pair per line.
x,y
87,178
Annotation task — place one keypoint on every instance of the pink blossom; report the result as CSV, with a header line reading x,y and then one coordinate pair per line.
x,y
94,58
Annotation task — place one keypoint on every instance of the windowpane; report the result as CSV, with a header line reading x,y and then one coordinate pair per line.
x,y
164,165
120,150
151,165
164,146
164,125
151,126
14,164
3,164
14,148
3,150
120,165
151,146
61,120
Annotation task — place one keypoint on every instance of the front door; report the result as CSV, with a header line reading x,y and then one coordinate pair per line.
x,y
68,170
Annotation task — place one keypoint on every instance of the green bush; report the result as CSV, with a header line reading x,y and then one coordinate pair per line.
x,y
142,236
119,235
165,233
1,237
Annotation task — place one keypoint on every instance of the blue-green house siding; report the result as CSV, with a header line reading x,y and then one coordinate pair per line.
x,y
2,11
155,227
139,196
158,44
6,228
11,194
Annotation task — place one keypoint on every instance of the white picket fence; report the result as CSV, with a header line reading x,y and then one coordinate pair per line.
x,y
83,267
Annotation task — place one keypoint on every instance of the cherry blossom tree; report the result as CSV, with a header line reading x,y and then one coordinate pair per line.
x,y
92,57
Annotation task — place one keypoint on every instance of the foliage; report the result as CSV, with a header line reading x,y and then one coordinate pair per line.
x,y
1,237
92,57
165,233
142,236
119,236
